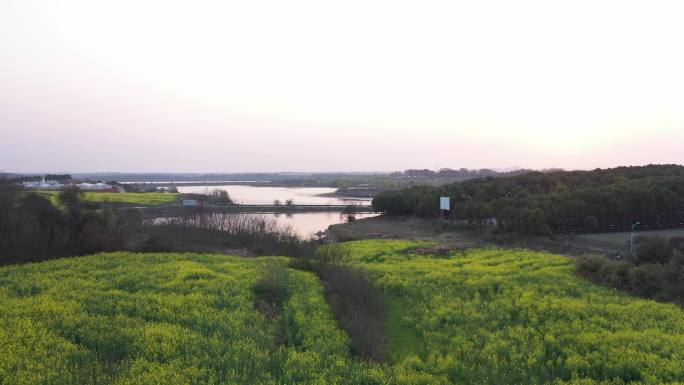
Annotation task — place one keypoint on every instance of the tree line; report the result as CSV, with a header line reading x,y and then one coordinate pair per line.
x,y
463,173
556,201
32,227
36,227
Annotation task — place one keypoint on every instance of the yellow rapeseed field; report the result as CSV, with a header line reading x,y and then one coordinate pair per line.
x,y
488,316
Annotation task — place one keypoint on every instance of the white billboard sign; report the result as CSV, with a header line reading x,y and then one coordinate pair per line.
x,y
444,203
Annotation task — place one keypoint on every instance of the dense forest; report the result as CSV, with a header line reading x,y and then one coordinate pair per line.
x,y
557,201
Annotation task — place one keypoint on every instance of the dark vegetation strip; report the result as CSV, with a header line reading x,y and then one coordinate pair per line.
x,y
270,294
656,271
357,304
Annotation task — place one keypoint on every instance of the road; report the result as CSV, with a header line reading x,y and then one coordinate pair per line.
x,y
178,209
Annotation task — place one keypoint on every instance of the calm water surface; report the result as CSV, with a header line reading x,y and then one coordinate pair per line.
x,y
253,195
304,224
307,224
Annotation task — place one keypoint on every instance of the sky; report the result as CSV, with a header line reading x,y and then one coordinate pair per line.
x,y
231,86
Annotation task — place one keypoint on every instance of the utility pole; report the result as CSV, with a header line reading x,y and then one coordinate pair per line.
x,y
632,249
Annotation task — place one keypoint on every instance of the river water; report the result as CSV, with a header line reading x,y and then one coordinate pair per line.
x,y
257,195
308,224
304,224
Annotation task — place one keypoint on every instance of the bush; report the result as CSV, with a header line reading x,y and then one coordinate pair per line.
x,y
659,281
616,274
676,244
652,250
271,289
335,253
647,279
214,232
589,267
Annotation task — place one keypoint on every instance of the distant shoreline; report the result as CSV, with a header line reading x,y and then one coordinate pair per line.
x,y
345,196
231,183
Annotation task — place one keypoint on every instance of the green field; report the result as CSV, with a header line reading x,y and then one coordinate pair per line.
x,y
487,316
128,199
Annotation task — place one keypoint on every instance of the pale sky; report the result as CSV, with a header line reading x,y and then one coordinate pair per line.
x,y
221,86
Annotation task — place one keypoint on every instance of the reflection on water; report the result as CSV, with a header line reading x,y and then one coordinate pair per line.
x,y
254,195
303,224
307,224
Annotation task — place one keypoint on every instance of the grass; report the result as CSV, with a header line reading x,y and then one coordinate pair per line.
x,y
127,199
487,316
402,335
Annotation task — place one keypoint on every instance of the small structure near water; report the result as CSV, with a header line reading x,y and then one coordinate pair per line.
x,y
191,203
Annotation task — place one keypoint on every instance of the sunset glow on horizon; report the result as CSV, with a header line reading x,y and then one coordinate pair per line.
x,y
215,86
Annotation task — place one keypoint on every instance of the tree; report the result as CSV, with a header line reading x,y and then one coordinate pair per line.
x,y
219,196
652,250
531,221
58,178
590,223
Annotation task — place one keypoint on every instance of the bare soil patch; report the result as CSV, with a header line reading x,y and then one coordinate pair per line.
x,y
401,228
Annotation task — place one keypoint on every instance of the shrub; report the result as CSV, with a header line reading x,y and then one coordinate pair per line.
x,y
616,274
589,267
214,232
333,254
676,244
652,250
647,279
660,281
271,289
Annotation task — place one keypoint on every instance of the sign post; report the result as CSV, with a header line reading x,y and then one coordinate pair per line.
x,y
444,206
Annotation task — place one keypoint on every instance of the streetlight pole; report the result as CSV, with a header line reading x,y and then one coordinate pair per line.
x,y
631,238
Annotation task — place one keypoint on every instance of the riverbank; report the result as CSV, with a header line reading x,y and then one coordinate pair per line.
x,y
248,209
236,183
450,235
411,228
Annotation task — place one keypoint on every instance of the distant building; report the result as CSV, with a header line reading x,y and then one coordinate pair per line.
x,y
190,203
98,187
49,185
55,185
